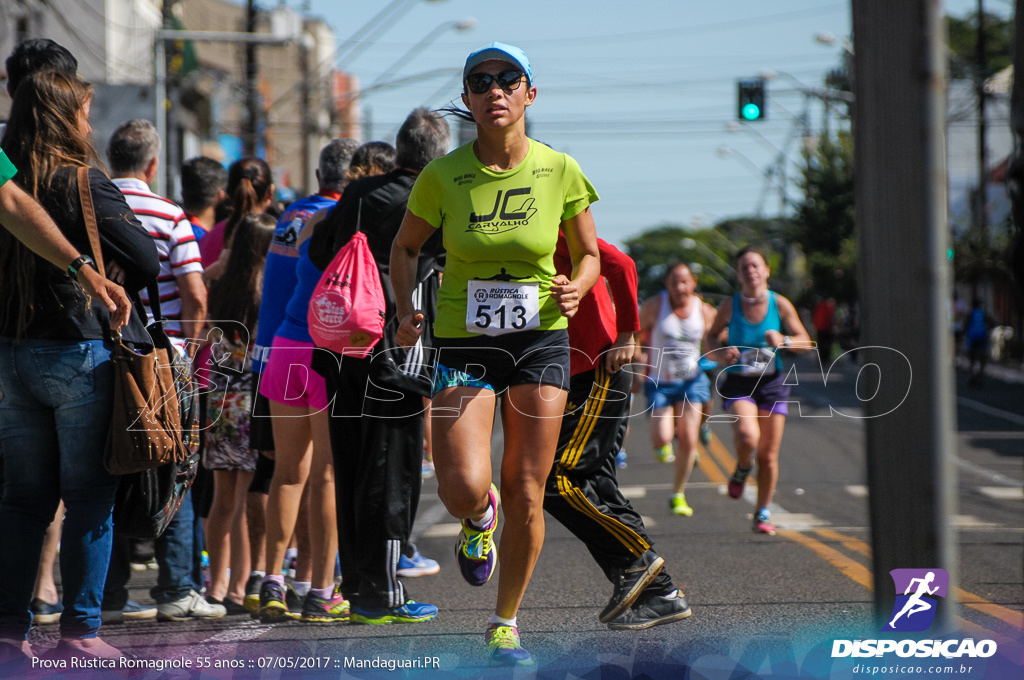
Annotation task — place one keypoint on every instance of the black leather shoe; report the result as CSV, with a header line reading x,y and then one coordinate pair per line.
x,y
630,582
653,610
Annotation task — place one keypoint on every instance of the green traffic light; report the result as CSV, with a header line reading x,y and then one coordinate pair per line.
x,y
751,111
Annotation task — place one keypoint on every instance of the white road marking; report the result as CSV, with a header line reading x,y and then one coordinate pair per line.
x,y
991,410
1003,493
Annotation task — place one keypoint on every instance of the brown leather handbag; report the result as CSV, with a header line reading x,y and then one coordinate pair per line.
x,y
145,422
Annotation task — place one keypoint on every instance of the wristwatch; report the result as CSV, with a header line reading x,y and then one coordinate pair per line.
x,y
786,341
78,263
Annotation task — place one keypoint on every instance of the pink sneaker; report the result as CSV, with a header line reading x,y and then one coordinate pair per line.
x,y
738,481
762,522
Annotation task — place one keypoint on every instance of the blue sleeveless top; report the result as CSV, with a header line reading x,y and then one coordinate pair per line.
x,y
748,336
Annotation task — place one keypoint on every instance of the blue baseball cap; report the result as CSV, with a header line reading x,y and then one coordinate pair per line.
x,y
501,52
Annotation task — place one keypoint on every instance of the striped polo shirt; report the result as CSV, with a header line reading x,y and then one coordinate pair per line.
x,y
179,253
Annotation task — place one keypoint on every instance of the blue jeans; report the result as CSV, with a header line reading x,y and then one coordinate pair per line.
x,y
55,400
174,560
174,556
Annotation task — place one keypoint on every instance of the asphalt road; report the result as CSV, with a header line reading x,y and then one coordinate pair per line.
x,y
763,606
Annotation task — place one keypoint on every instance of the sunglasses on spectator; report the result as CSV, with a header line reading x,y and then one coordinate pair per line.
x,y
479,83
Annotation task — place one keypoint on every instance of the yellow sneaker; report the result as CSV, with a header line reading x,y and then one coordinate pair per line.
x,y
680,506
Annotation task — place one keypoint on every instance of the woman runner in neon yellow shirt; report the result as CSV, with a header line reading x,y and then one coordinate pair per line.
x,y
500,202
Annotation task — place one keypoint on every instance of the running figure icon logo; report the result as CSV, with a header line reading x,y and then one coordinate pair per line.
x,y
917,591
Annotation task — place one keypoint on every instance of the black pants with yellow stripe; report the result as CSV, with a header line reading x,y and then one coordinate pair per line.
x,y
582,491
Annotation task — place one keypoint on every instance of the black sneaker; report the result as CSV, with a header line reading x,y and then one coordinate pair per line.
x,y
292,598
230,606
252,593
653,610
630,582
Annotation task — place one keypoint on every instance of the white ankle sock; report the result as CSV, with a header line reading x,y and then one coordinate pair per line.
x,y
504,622
302,587
484,521
324,593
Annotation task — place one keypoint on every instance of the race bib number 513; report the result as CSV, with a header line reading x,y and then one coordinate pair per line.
x,y
495,307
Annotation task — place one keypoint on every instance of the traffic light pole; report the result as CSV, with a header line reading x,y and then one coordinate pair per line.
x,y
904,273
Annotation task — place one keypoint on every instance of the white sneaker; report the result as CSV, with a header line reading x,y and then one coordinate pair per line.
x,y
192,606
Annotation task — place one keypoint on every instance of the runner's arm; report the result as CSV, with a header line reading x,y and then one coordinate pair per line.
x,y
405,251
581,237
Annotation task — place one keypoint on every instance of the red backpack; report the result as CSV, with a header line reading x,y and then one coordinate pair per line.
x,y
346,310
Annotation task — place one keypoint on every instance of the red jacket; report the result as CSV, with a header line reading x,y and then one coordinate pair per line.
x,y
597,321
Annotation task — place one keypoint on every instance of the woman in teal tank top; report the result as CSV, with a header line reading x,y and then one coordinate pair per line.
x,y
757,323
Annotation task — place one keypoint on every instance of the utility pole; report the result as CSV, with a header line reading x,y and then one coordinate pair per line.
x,y
306,119
982,220
167,135
250,140
903,234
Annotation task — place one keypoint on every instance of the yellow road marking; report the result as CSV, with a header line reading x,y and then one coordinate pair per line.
x,y
854,570
858,573
1010,616
854,544
714,474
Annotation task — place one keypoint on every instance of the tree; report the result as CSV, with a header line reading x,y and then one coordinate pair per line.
x,y
824,223
963,42
653,251
711,254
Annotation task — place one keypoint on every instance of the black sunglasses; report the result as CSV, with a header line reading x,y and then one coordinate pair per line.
x,y
479,83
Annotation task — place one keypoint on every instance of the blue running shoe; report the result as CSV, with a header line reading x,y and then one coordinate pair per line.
x,y
504,648
763,522
410,612
621,459
475,549
417,565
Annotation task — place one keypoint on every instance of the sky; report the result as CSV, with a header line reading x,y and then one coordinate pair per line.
x,y
641,93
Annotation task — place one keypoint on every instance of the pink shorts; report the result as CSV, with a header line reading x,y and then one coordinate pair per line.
x,y
288,379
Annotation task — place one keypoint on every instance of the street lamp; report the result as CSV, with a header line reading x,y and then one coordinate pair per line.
x,y
830,38
383,79
377,24
459,25
827,95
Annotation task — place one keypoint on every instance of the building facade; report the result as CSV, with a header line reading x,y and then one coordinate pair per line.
x,y
299,105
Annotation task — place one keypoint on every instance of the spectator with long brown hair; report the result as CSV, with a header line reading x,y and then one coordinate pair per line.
x,y
56,374
234,307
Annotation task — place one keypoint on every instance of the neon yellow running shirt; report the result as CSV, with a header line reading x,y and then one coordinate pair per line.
x,y
499,226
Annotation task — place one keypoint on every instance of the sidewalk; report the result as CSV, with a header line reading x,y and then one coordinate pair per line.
x,y
1007,371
